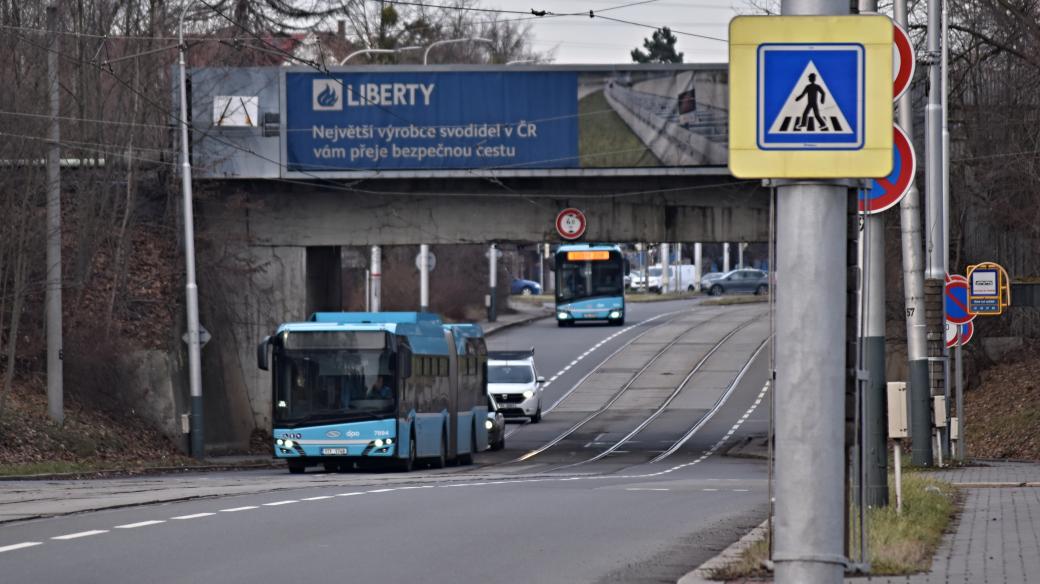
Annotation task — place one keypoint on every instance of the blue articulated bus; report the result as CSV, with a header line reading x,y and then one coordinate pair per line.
x,y
590,284
376,387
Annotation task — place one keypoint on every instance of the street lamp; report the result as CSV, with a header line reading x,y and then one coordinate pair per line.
x,y
377,51
190,287
449,41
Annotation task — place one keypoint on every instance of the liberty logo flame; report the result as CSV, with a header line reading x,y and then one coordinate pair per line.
x,y
326,95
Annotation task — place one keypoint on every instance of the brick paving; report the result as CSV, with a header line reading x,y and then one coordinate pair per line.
x,y
997,537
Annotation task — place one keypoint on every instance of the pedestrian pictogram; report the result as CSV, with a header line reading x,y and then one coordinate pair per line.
x,y
811,96
886,192
955,296
801,113
570,223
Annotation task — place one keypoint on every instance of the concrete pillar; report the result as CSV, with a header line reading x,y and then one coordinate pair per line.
x,y
697,271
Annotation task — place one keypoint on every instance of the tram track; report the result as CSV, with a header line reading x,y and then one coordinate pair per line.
x,y
614,398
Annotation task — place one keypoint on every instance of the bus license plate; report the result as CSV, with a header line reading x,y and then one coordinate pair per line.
x,y
333,451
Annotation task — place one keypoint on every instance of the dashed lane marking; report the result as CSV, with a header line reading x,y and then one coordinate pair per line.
x,y
277,503
80,534
18,546
142,524
192,516
237,509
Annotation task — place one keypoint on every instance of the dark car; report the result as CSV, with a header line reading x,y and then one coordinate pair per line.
x,y
496,426
525,287
743,280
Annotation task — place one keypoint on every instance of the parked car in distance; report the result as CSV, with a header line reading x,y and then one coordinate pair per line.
x,y
743,280
525,287
514,384
496,426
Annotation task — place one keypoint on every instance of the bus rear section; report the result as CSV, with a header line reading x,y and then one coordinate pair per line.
x,y
590,284
355,389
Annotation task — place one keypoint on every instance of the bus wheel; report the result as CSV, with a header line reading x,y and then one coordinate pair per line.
x,y
617,322
441,460
296,467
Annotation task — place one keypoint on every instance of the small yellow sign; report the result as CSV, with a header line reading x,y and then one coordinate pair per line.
x,y
989,289
810,96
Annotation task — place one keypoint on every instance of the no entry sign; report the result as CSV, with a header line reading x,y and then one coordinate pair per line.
x,y
570,223
886,192
903,62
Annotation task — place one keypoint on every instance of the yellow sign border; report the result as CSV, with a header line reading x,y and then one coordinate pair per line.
x,y
1003,295
747,160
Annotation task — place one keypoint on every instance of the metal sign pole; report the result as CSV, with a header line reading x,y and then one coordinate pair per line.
x,y
697,270
424,278
962,438
55,373
665,280
377,278
913,294
492,282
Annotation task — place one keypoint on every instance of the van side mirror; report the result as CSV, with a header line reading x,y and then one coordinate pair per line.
x,y
261,353
540,380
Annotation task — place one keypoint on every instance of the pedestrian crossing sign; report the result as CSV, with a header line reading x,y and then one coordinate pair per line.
x,y
810,96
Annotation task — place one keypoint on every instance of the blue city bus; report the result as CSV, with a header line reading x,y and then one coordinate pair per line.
x,y
590,284
376,387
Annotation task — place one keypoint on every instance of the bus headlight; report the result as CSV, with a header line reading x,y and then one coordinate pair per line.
x,y
615,314
279,442
563,315
528,394
489,424
389,441
377,443
289,444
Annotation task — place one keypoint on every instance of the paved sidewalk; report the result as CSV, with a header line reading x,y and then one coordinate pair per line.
x,y
997,537
524,314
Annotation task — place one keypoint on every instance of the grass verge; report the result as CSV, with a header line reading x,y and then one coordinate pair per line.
x,y
899,544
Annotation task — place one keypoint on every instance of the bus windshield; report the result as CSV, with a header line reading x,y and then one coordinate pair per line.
x,y
589,279
316,382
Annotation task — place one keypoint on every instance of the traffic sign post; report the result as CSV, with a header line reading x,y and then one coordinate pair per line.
x,y
886,193
989,289
810,96
570,223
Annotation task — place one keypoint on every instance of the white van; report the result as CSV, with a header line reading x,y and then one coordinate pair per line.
x,y
680,278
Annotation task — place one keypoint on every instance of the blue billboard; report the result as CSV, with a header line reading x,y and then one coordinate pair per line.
x,y
354,121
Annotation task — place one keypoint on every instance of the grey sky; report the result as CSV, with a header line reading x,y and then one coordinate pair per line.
x,y
580,39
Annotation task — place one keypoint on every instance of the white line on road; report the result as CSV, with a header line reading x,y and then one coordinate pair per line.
x,y
380,490
236,509
318,498
81,534
644,489
18,546
277,503
141,524
349,494
709,490
192,516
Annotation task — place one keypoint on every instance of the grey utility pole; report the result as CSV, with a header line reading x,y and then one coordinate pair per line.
x,y
492,308
934,229
191,289
872,261
375,264
424,278
810,405
697,271
55,381
725,257
913,293
665,280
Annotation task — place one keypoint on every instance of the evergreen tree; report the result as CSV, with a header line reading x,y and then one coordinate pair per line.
x,y
659,49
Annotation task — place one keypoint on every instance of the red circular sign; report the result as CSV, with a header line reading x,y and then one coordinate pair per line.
x,y
966,332
886,192
903,62
570,223
956,300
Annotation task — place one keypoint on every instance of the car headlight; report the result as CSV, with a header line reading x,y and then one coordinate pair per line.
x,y
489,424
562,315
528,394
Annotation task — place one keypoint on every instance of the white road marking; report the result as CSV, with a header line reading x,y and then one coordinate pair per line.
x,y
349,494
319,498
236,509
741,490
18,546
141,524
709,490
380,490
81,534
193,516
277,503
644,489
